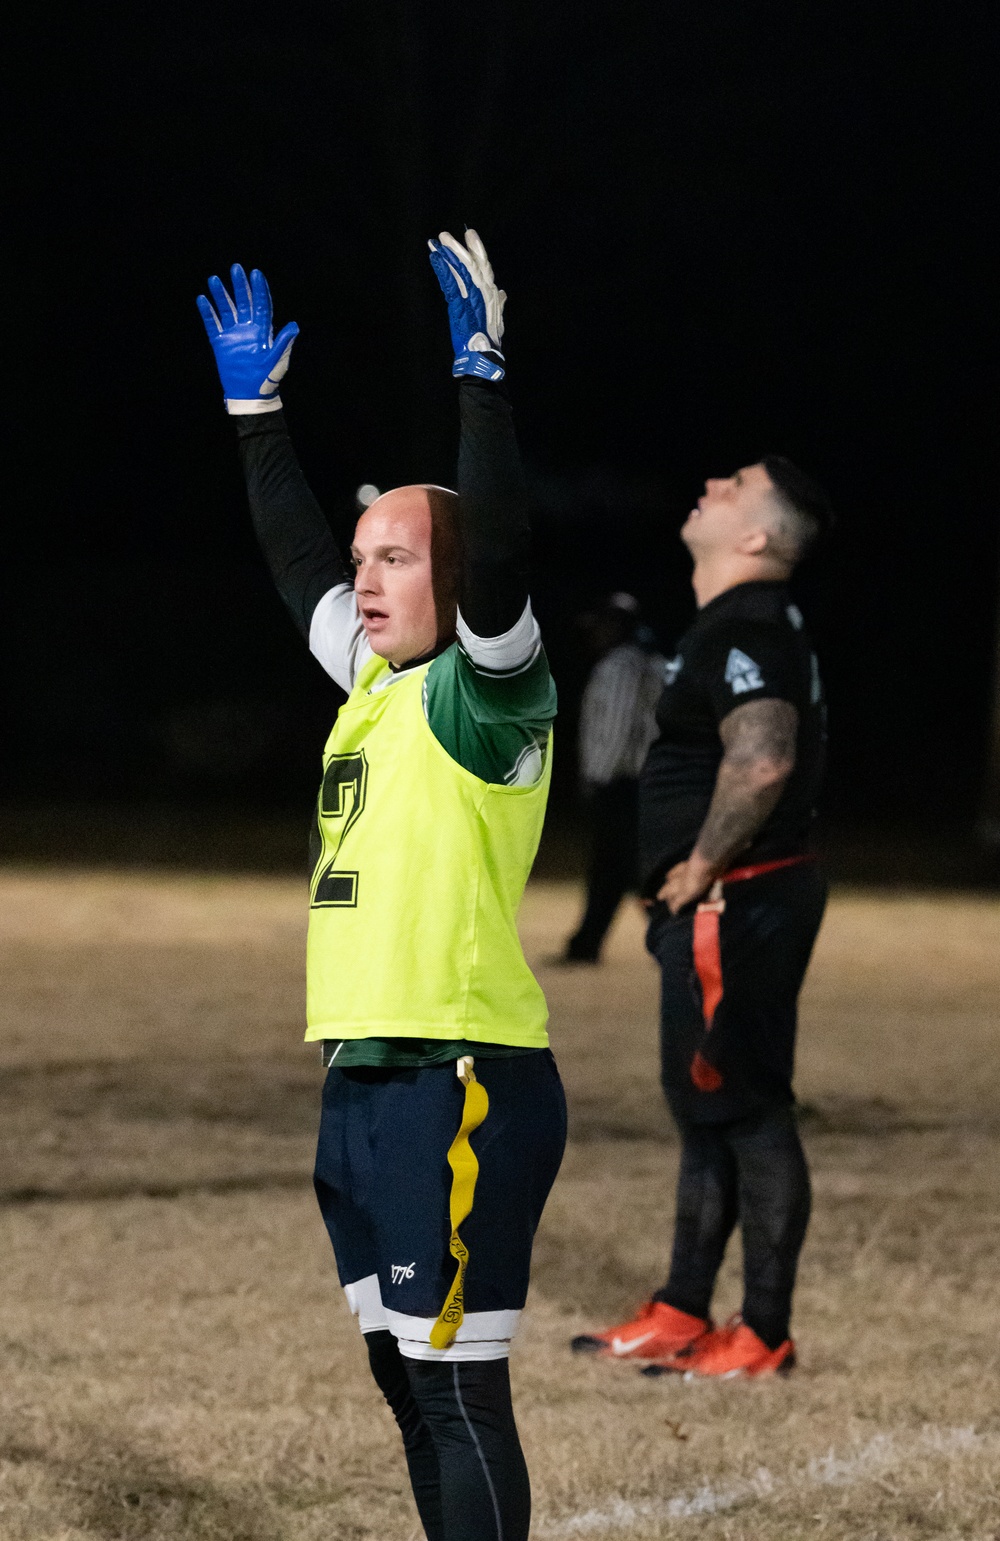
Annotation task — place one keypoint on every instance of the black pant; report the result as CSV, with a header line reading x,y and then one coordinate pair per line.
x,y
752,1171
766,937
613,817
741,1158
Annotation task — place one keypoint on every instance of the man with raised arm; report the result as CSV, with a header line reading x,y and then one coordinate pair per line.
x,y
443,1119
725,807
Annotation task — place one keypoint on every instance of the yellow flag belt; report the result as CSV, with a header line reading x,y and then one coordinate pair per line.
x,y
465,1170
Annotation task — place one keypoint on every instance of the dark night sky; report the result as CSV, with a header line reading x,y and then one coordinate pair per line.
x,y
725,229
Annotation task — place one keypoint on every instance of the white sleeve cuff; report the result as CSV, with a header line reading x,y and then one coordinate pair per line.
x,y
337,637
258,404
510,653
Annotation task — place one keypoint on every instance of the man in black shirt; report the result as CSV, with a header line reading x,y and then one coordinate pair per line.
x,y
726,803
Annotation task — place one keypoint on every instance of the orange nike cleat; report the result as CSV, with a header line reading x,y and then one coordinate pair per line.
x,y
729,1353
656,1331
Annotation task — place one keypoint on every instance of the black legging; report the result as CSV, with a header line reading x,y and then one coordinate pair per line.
x,y
752,1171
466,1466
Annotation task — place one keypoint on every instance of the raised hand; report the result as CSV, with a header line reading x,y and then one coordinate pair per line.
x,y
251,361
475,304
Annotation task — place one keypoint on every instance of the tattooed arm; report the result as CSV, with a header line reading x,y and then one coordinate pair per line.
x,y
758,740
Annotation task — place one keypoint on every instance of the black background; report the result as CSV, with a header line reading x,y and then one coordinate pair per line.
x,y
725,229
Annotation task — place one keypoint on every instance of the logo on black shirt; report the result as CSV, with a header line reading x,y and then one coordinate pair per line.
x,y
742,673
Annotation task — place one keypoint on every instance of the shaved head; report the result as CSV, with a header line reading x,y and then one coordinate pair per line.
x,y
401,513
407,557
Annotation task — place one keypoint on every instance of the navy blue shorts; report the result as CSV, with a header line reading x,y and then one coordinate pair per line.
x,y
384,1185
766,937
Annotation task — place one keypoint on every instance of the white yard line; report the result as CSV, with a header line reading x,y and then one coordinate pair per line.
x,y
830,1470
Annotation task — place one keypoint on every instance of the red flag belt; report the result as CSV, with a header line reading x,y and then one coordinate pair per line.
x,y
708,956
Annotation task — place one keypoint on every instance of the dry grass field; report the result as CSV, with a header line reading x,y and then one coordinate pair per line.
x,y
176,1358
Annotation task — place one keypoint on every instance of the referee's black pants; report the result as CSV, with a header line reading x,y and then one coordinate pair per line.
x,y
741,1157
613,819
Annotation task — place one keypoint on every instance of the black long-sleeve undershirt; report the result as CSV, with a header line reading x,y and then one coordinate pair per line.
x,y
305,560
294,536
495,530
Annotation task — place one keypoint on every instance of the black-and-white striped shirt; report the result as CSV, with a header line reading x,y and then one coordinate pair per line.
x,y
617,714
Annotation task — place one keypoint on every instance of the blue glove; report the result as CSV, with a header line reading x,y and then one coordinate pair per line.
x,y
475,304
251,361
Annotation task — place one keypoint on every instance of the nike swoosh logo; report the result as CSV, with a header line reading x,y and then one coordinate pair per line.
x,y
629,1346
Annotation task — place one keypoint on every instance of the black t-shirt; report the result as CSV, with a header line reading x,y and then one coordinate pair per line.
x,y
748,644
